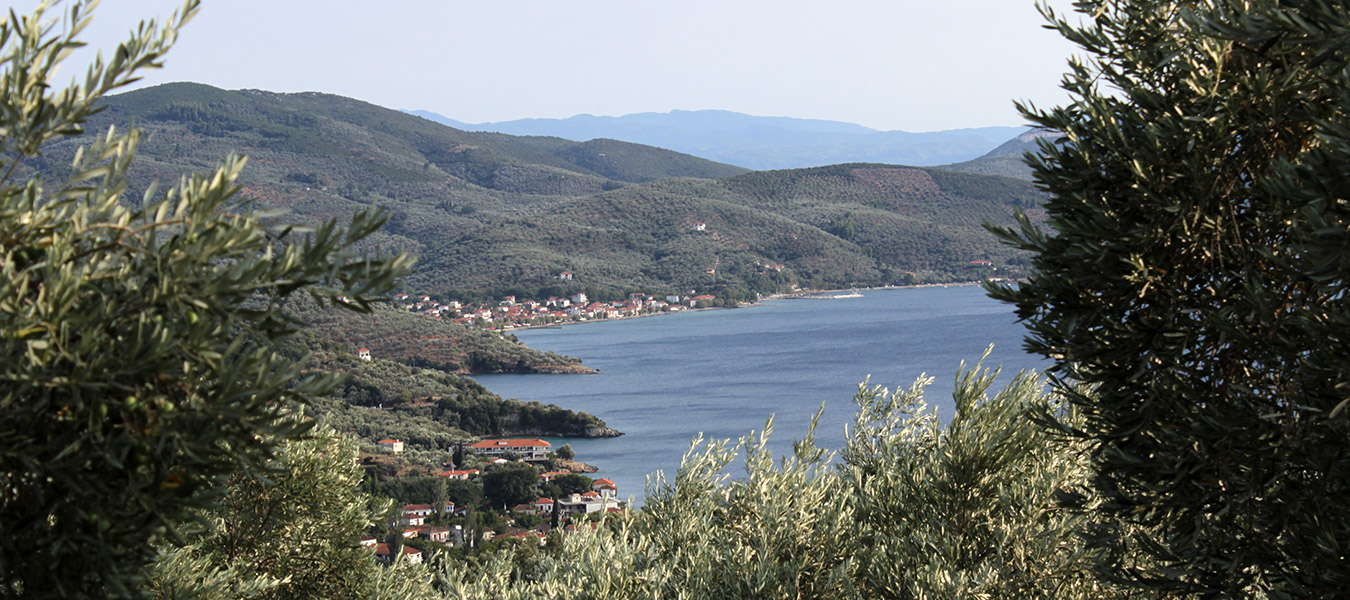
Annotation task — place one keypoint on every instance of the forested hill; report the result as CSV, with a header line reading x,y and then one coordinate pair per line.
x,y
488,214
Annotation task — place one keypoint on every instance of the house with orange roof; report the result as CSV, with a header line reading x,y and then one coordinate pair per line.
x,y
589,502
543,506
528,449
410,554
460,474
605,487
420,510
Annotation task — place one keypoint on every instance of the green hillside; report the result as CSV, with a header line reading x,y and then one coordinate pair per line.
x,y
413,339
488,214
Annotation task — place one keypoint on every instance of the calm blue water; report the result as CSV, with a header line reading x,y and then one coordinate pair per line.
x,y
665,379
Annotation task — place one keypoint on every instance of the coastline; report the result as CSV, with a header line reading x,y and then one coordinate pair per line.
x,y
769,298
646,383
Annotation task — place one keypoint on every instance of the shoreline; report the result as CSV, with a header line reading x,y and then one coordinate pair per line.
x,y
771,297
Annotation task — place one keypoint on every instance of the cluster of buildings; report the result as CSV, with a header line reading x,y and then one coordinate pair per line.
x,y
509,312
602,497
413,522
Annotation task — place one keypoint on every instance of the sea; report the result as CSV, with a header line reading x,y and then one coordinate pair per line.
x,y
720,374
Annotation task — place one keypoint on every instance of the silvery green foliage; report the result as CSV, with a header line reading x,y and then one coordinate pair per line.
x,y
290,531
967,510
138,339
909,510
1194,271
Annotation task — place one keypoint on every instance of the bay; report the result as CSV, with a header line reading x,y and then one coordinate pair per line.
x,y
721,373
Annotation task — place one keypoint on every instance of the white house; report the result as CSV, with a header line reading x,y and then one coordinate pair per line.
x,y
531,449
395,446
410,554
590,502
460,474
421,510
605,487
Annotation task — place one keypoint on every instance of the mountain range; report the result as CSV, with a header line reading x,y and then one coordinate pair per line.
x,y
759,142
489,213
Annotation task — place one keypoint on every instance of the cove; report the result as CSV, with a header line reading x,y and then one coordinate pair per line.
x,y
665,379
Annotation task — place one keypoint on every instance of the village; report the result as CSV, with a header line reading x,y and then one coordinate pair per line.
x,y
575,501
513,313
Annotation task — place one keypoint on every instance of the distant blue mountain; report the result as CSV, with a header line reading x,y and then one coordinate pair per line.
x,y
760,142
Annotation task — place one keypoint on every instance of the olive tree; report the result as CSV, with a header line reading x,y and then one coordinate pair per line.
x,y
290,535
1193,273
914,509
138,335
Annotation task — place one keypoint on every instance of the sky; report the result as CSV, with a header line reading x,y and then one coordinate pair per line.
x,y
888,64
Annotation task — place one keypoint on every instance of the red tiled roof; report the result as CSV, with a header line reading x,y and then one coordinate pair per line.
x,y
391,441
543,501
603,481
464,472
531,443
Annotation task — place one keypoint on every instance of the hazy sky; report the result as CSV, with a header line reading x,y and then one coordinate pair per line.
x,y
890,64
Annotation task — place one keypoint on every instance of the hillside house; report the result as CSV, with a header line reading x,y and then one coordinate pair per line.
x,y
605,487
363,354
590,502
435,534
394,446
529,449
410,554
426,510
460,474
565,276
